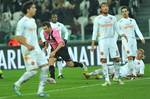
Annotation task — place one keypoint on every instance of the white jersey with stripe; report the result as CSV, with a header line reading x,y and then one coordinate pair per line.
x,y
129,27
27,27
104,27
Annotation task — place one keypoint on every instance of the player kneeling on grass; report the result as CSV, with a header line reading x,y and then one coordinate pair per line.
x,y
139,64
59,49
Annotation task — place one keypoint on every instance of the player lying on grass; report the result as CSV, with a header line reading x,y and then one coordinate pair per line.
x,y
124,70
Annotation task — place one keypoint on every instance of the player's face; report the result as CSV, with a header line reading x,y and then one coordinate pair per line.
x,y
46,29
125,13
54,18
139,54
32,10
104,9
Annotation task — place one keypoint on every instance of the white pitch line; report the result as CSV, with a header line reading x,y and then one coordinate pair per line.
x,y
71,88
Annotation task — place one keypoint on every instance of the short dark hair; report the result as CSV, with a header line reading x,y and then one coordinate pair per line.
x,y
46,24
124,7
103,3
27,5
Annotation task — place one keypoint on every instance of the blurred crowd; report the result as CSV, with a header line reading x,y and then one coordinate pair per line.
x,y
72,13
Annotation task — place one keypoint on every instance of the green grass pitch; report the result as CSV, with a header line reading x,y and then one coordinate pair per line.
x,y
75,86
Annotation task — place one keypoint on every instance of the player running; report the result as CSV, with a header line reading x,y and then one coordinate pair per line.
x,y
26,34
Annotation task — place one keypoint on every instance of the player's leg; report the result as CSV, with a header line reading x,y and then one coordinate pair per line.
x,y
66,57
103,45
29,62
114,53
131,55
97,73
60,67
43,75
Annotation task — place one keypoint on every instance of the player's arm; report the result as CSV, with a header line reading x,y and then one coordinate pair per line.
x,y
22,40
137,30
119,30
141,73
19,35
65,31
45,44
94,34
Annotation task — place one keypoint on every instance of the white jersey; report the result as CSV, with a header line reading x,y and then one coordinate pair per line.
x,y
139,66
27,27
104,27
128,26
63,30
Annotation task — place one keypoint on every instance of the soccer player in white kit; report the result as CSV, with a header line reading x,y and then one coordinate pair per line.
x,y
64,34
129,27
32,54
104,28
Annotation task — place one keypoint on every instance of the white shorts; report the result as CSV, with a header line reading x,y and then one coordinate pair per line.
x,y
34,59
108,46
130,47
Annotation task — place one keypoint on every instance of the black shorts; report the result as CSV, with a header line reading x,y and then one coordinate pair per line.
x,y
63,53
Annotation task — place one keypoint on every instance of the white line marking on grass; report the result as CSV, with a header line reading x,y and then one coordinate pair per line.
x,y
71,88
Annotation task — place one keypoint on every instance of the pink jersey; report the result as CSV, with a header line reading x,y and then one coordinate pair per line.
x,y
53,38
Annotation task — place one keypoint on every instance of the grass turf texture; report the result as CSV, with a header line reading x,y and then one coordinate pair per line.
x,y
75,86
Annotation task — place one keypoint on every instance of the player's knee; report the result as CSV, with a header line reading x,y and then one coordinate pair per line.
x,y
34,72
52,61
103,60
116,60
130,58
70,63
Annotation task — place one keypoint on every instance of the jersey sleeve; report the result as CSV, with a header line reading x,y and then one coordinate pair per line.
x,y
20,28
65,31
42,36
137,30
118,28
95,29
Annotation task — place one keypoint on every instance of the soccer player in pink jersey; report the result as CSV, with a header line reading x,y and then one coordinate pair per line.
x,y
59,49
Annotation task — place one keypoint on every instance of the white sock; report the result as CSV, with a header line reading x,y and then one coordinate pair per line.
x,y
105,71
43,79
96,72
117,69
25,76
60,67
